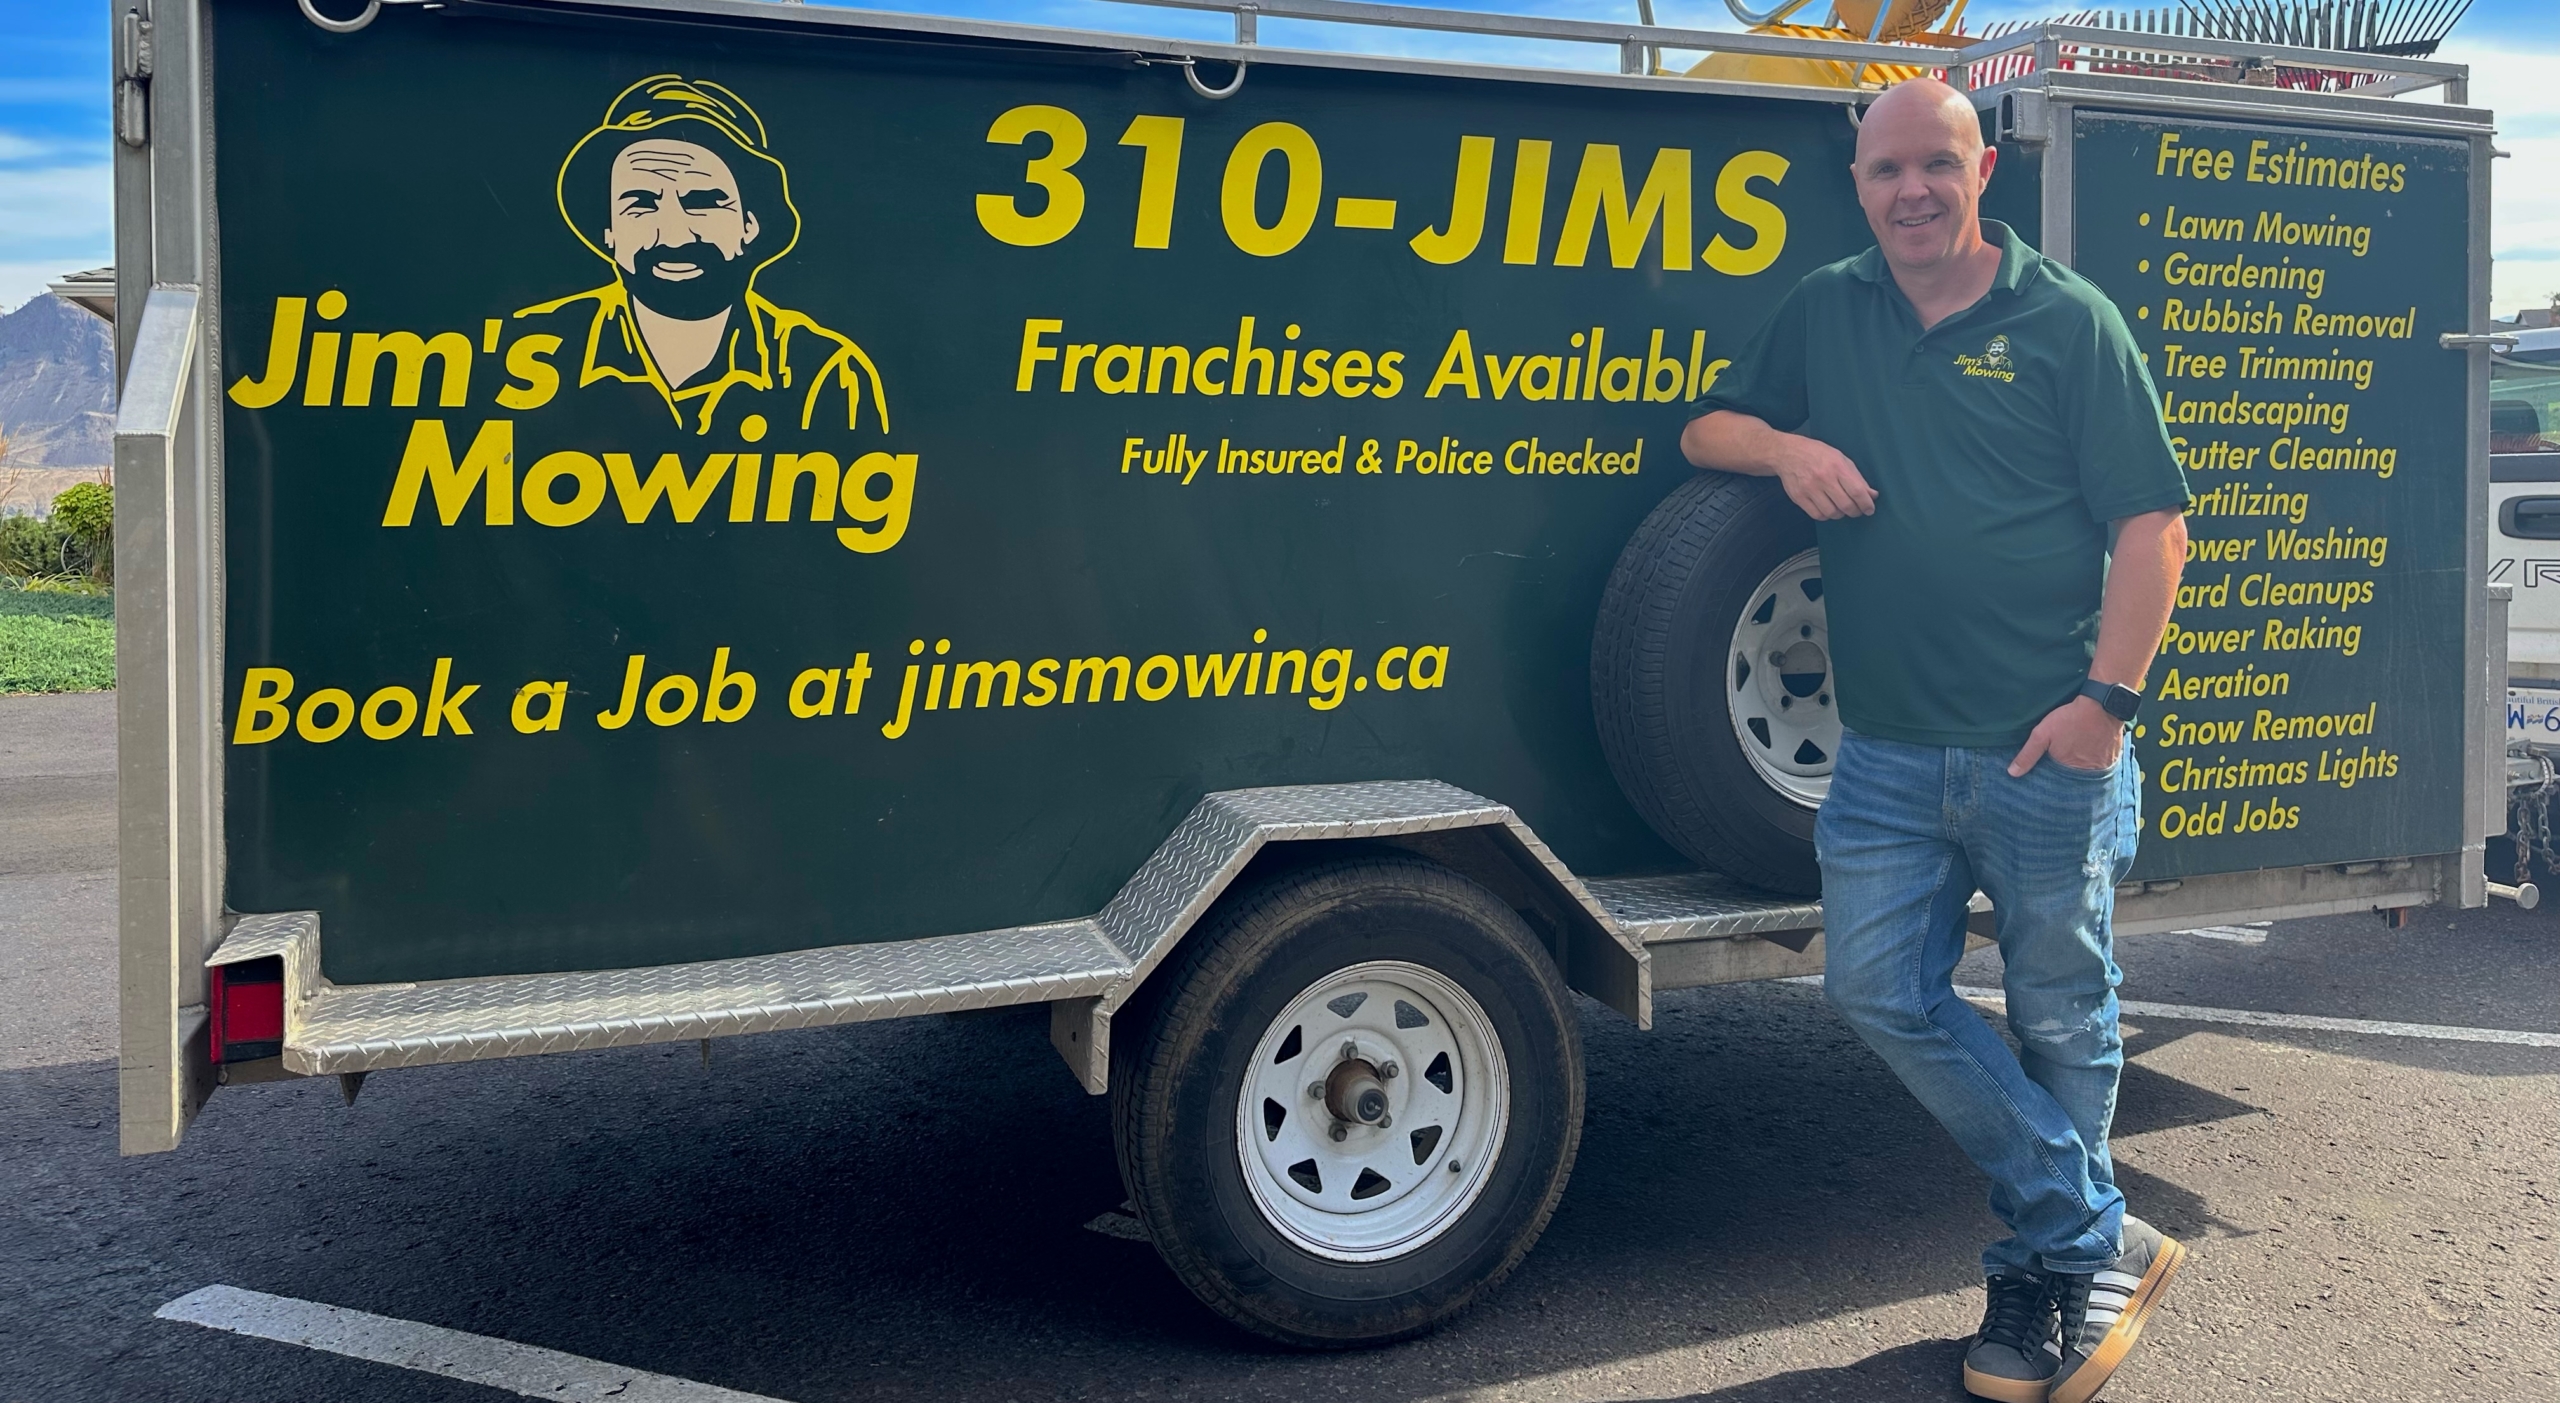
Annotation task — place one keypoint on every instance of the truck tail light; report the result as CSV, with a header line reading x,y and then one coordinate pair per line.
x,y
248,1010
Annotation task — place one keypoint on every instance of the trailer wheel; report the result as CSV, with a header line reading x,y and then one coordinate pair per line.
x,y
1357,1103
1711,679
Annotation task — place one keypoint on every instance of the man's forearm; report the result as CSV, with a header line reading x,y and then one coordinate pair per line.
x,y
2142,587
1730,441
1816,477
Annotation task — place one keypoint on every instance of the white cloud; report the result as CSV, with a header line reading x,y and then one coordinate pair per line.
x,y
21,281
2524,226
43,208
14,147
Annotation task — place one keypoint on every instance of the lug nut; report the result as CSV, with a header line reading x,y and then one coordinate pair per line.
x,y
1389,1071
1350,1050
1315,1090
1341,1131
1385,1121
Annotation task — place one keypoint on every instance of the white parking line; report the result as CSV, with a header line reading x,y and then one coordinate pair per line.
x,y
2189,1013
431,1349
2254,933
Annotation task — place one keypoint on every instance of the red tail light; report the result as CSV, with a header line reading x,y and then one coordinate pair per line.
x,y
248,1010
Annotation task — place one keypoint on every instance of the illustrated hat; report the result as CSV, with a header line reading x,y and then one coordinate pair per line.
x,y
677,108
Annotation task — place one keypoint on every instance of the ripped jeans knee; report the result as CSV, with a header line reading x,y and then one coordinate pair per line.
x,y
2071,1030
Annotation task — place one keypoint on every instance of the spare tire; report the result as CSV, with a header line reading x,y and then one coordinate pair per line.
x,y
1711,679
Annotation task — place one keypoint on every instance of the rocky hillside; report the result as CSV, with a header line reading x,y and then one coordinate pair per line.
x,y
57,387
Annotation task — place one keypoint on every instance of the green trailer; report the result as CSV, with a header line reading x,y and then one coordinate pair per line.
x,y
653,520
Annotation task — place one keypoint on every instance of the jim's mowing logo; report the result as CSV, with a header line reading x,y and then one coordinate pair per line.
x,y
1993,363
678,193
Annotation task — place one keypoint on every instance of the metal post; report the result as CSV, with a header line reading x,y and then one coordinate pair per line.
x,y
2484,745
2060,132
169,653
131,96
182,254
161,1069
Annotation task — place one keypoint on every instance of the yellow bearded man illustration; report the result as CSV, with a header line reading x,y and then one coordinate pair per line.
x,y
679,193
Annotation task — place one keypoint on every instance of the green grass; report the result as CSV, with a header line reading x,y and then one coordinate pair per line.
x,y
56,640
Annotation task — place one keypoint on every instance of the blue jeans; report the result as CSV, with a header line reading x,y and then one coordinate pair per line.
x,y
1906,835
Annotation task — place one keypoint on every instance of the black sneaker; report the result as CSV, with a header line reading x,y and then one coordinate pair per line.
x,y
2014,1355
2103,1314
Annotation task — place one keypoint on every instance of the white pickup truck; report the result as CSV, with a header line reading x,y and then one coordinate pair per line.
x,y
2524,554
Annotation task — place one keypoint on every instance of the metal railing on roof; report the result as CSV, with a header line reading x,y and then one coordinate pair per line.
x,y
2005,57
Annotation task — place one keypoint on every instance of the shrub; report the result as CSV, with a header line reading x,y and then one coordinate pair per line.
x,y
87,510
33,546
78,540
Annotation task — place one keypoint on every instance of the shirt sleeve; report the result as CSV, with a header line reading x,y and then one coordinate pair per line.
x,y
1767,380
2112,414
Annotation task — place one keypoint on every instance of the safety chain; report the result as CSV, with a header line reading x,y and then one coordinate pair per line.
x,y
2529,818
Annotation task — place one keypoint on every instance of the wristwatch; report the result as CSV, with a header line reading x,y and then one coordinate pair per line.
x,y
2122,703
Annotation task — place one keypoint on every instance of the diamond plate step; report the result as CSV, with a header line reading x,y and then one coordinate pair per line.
x,y
354,1028
1703,906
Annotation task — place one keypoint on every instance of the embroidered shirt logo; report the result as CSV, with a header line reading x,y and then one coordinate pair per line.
x,y
1992,364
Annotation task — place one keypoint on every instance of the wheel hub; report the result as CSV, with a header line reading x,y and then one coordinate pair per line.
x,y
1372,1112
1357,1091
1778,682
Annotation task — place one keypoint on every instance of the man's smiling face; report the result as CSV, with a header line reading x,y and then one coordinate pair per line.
x,y
678,228
1920,171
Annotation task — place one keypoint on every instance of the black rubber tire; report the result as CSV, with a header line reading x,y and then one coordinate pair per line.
x,y
1657,678
1174,1090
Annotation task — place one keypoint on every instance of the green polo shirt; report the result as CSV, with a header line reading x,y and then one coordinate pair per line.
x,y
2001,442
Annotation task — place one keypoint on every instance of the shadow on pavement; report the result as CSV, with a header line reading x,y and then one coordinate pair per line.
x,y
896,1210
1923,1370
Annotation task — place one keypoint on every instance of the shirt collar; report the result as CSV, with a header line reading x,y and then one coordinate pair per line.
x,y
2017,261
747,353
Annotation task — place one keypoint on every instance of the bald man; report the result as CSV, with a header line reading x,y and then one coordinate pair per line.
x,y
2001,520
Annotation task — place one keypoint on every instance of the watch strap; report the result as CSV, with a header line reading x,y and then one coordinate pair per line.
x,y
2118,700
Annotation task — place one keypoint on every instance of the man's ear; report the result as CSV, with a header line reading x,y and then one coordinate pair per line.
x,y
1990,158
751,227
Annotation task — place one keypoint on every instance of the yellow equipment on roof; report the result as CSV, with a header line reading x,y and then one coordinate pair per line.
x,y
1853,21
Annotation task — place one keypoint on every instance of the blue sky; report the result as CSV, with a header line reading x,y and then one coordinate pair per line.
x,y
55,210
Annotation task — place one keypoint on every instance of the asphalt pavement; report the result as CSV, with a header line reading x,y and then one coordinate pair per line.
x,y
900,1211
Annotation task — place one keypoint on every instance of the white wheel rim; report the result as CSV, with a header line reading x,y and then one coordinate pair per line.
x,y
1382,1190
1778,683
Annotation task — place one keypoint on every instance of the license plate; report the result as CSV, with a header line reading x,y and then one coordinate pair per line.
x,y
2533,714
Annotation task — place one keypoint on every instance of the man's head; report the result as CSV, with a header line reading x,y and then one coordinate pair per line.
x,y
677,190
1920,171
679,228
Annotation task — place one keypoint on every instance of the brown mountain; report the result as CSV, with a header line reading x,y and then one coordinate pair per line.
x,y
57,387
